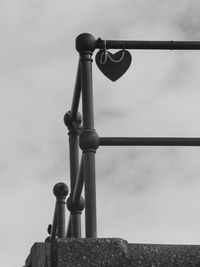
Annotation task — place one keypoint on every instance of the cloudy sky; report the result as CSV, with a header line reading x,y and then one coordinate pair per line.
x,y
146,195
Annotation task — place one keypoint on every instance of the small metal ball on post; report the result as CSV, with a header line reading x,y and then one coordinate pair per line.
x,y
60,191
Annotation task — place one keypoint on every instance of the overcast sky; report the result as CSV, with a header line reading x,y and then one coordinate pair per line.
x,y
149,195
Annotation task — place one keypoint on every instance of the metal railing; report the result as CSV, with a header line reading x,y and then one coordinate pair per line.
x,y
82,134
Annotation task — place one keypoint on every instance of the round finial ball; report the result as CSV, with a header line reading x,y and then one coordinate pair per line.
x,y
75,207
85,42
89,140
72,123
60,190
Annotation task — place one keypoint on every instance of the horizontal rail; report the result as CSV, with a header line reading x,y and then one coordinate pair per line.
x,y
148,141
170,45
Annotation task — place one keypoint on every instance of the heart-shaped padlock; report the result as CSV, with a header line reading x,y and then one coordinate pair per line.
x,y
113,66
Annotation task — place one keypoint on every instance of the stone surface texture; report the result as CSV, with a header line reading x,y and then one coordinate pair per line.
x,y
164,255
39,256
108,252
90,252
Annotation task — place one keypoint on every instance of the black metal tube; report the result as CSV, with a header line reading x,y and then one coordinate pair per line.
x,y
61,217
85,44
76,225
74,149
73,131
76,96
54,224
72,120
90,195
87,92
79,183
74,167
148,141
73,157
68,234
169,45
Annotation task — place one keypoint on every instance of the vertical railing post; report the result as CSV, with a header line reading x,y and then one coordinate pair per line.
x,y
60,190
73,126
54,225
75,211
76,204
85,45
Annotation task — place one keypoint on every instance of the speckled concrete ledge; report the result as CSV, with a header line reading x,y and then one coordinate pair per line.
x,y
90,252
116,252
40,255
164,255
111,252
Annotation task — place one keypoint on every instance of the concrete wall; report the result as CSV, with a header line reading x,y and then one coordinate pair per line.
x,y
110,252
39,256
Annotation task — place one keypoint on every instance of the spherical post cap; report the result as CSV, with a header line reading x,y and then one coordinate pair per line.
x,y
60,190
69,122
89,140
85,42
77,206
